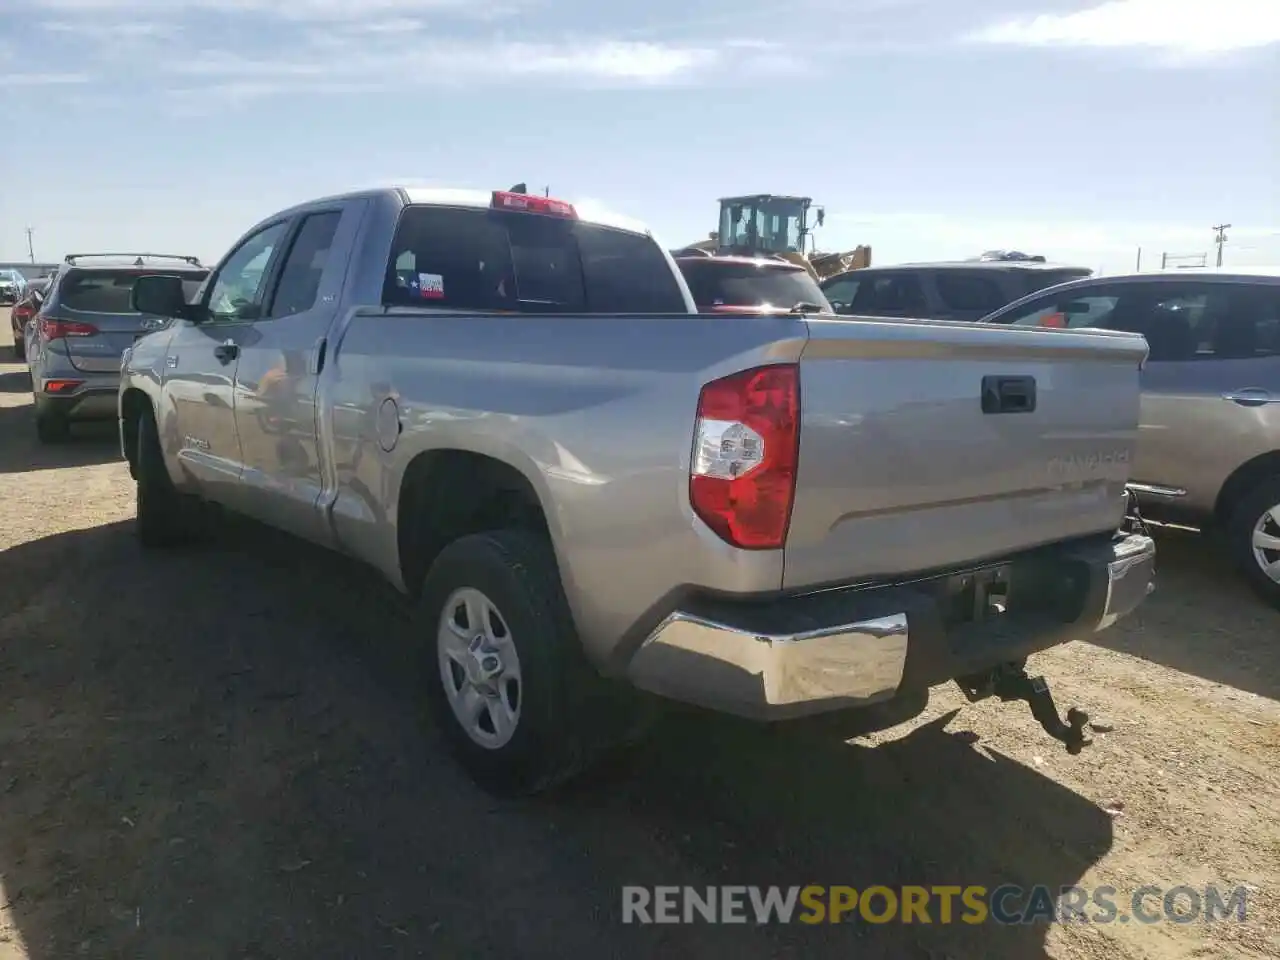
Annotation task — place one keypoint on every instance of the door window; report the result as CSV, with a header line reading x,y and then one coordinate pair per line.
x,y
303,268
973,293
237,290
1076,308
840,293
890,295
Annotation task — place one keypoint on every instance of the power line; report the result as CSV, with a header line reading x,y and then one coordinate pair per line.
x,y
1220,237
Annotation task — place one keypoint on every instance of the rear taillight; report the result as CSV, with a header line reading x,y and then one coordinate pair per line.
x,y
746,448
58,329
23,312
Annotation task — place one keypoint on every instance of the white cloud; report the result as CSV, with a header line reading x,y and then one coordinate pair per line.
x,y
429,62
42,79
335,10
1196,27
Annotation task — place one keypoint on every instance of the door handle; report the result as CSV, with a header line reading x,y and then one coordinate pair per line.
x,y
1250,397
1008,394
227,351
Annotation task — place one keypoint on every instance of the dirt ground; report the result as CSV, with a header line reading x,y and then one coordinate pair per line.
x,y
215,754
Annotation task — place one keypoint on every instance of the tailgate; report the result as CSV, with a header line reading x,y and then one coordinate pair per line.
x,y
904,468
100,351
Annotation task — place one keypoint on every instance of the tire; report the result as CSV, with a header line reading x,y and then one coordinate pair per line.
x,y
19,349
566,715
165,517
1244,525
52,428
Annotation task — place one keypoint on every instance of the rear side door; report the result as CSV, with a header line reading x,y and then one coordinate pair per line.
x,y
275,381
198,415
1211,388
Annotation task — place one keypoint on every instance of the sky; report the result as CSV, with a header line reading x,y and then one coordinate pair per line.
x,y
929,129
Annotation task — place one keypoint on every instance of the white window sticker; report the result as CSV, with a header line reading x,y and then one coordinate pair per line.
x,y
431,286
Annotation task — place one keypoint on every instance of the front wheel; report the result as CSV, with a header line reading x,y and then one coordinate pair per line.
x,y
504,675
1253,538
165,517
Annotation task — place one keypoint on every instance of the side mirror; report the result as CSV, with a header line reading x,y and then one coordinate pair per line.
x,y
159,296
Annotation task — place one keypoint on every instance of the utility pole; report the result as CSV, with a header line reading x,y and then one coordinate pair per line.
x,y
1137,267
1220,238
31,250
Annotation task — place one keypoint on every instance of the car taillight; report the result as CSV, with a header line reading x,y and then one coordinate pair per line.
x,y
23,312
746,449
57,329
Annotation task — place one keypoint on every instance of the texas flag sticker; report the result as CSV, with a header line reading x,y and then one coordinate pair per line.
x,y
431,286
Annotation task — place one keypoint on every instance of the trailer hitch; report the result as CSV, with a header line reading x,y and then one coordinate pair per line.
x,y
1010,682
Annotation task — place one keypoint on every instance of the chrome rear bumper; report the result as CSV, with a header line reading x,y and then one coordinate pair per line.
x,y
734,664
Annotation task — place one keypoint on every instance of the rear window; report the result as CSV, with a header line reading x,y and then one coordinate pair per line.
x,y
109,291
720,283
467,259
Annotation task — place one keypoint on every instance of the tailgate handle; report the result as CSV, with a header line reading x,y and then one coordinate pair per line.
x,y
1008,394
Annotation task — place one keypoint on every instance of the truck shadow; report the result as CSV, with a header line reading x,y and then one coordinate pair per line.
x,y
1202,619
20,452
215,752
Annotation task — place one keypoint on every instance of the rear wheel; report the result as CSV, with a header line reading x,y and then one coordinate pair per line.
x,y
165,517
1253,538
504,674
51,427
19,348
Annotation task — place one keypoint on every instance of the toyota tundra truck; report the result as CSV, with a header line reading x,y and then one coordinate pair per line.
x,y
509,406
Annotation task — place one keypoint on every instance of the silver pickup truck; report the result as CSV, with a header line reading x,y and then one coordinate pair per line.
x,y
509,407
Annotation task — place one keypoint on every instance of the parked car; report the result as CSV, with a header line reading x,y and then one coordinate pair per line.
x,y
83,326
12,285
508,406
1208,452
964,290
24,312
725,284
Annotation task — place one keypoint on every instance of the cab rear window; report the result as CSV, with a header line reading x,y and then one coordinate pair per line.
x,y
472,259
728,283
109,291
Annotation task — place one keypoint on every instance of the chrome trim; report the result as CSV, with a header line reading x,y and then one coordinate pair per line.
x,y
1250,396
1155,490
1129,578
711,664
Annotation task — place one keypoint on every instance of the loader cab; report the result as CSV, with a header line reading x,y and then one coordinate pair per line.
x,y
764,224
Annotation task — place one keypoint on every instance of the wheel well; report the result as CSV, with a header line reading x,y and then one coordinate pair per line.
x,y
132,403
448,494
1246,477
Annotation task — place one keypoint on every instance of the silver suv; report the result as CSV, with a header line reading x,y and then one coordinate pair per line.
x,y
84,324
1209,446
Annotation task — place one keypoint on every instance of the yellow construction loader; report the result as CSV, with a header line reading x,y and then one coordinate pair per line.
x,y
770,225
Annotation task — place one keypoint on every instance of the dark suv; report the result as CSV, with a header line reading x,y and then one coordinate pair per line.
x,y
964,290
728,284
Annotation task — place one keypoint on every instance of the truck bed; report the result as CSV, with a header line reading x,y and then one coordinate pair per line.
x,y
899,472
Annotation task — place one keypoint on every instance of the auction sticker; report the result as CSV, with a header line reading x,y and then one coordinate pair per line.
x,y
431,286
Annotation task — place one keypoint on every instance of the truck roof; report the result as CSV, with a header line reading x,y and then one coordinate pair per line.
x,y
589,211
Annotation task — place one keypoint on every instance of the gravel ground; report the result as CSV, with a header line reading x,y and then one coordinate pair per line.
x,y
215,754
